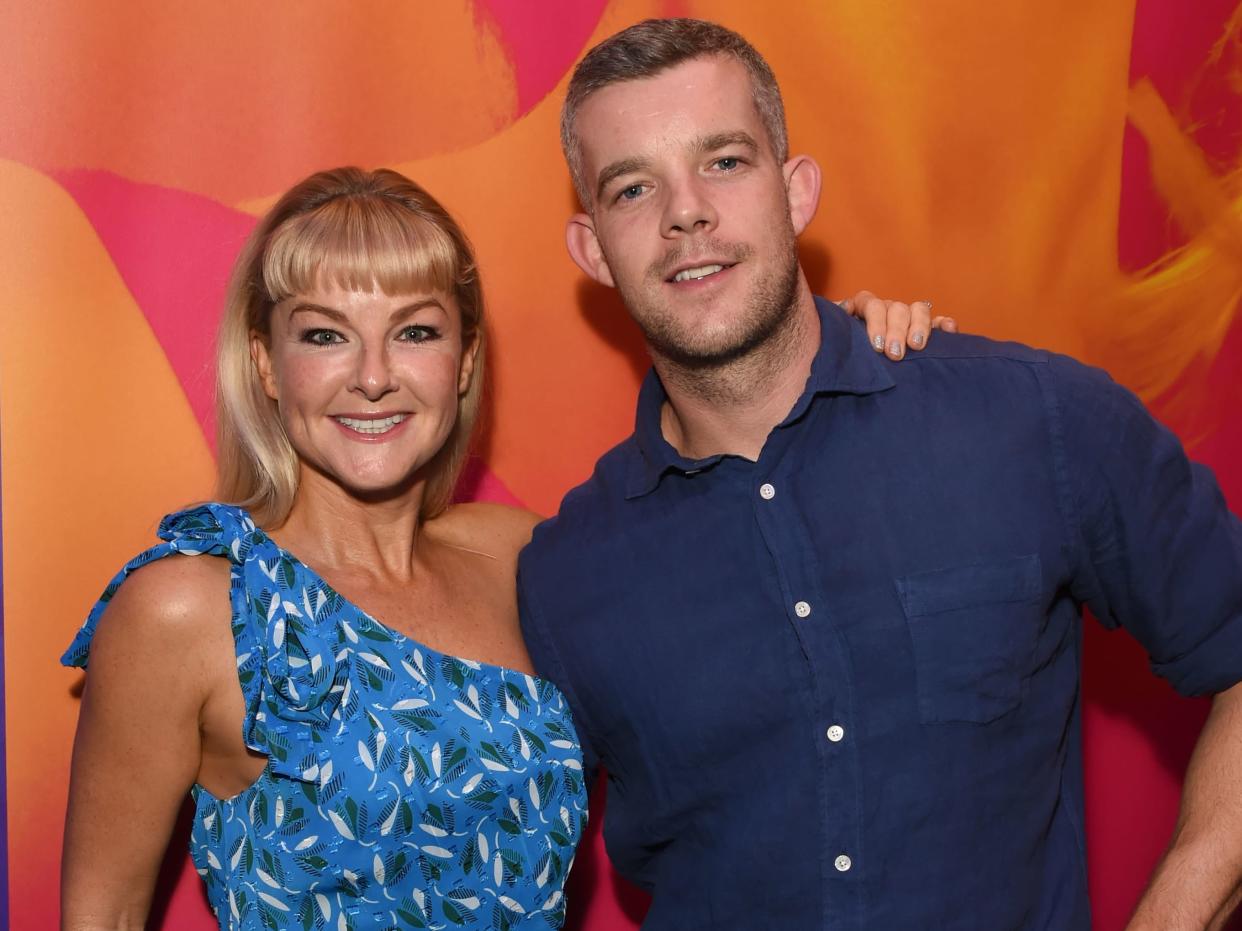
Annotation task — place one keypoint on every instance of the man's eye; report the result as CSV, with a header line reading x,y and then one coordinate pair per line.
x,y
418,334
321,337
631,192
728,163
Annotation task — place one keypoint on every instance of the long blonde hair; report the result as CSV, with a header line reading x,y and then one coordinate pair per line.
x,y
360,230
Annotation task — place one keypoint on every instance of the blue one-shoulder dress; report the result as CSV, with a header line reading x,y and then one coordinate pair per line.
x,y
404,788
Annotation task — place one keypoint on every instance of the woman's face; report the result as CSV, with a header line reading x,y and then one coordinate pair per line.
x,y
367,384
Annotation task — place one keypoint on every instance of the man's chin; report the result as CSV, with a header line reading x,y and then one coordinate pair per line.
x,y
700,354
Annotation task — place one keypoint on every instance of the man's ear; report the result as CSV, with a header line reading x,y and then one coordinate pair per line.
x,y
262,360
584,249
802,185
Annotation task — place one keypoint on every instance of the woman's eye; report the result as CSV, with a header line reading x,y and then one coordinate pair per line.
x,y
419,334
321,337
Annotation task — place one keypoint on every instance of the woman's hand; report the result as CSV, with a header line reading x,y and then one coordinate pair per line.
x,y
892,325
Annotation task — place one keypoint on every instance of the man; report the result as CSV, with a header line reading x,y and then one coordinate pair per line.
x,y
819,616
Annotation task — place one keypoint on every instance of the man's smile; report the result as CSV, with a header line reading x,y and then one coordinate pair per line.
x,y
698,269
701,271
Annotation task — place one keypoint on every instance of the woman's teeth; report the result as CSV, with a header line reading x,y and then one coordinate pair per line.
x,y
371,427
702,272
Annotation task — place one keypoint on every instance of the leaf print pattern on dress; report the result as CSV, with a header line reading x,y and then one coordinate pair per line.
x,y
404,788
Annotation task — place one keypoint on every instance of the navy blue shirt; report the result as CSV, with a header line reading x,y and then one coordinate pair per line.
x,y
839,687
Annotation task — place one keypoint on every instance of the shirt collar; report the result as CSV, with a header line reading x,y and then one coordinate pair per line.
x,y
845,363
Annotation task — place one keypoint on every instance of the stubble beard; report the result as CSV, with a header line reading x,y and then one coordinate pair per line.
x,y
769,308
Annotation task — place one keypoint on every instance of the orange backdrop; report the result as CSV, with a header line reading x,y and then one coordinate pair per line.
x,y
1058,172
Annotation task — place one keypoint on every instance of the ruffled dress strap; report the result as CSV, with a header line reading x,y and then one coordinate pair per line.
x,y
209,528
289,678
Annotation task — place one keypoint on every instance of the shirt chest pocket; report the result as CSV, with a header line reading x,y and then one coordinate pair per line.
x,y
973,631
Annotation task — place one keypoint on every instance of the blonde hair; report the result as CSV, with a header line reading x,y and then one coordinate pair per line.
x,y
359,230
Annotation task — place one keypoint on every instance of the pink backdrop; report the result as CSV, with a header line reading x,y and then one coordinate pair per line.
x,y
1058,172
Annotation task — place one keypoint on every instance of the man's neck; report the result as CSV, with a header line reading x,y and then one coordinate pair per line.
x,y
733,408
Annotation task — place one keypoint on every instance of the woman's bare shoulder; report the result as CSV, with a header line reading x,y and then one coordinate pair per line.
x,y
496,530
177,598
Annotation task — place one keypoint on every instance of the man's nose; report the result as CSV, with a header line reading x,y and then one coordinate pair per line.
x,y
689,209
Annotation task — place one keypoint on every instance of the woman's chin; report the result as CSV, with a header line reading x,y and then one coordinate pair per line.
x,y
377,490
369,487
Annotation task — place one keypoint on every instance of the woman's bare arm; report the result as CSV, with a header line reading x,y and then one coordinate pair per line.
x,y
154,662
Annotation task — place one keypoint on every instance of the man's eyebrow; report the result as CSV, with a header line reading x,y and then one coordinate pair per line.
x,y
726,140
614,171
703,144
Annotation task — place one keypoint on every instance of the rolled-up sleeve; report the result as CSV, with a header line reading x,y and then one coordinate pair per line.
x,y
1160,552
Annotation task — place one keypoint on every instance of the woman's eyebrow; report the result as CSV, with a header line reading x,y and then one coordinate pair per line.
x,y
333,314
410,309
312,308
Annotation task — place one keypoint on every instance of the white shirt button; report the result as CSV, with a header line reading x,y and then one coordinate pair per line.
x,y
767,492
842,863
802,609
836,733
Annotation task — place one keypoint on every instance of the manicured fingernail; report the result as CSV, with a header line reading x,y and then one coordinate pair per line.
x,y
878,343
916,340
894,349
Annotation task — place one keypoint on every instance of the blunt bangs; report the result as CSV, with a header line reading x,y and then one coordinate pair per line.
x,y
360,231
361,243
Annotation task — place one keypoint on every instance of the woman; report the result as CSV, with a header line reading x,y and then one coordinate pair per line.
x,y
397,763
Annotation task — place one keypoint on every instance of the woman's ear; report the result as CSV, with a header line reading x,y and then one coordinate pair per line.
x,y
262,360
466,373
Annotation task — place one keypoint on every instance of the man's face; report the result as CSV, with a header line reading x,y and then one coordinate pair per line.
x,y
691,212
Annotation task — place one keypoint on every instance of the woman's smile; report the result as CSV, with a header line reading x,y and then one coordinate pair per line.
x,y
367,384
371,427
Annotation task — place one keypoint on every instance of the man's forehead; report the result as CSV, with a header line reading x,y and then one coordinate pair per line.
x,y
679,104
710,76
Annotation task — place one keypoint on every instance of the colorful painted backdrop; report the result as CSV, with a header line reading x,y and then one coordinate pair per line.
x,y
1059,172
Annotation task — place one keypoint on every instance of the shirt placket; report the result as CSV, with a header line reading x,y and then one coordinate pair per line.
x,y
782,520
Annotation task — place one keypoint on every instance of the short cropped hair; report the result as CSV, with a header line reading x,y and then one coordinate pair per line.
x,y
360,230
655,45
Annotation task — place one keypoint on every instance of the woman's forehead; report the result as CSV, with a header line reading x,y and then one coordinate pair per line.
x,y
332,298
